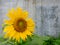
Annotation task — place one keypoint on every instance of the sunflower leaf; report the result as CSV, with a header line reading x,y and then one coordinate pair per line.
x,y
36,40
21,41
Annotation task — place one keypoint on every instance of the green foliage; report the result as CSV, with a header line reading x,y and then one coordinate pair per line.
x,y
52,41
34,40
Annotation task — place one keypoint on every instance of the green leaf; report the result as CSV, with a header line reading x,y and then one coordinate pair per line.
x,y
36,40
21,41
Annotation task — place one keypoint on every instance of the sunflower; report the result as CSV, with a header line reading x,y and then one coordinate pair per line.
x,y
18,25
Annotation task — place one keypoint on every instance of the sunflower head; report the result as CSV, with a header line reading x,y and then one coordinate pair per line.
x,y
19,25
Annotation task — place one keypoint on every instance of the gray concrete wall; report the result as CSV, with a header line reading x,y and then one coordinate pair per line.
x,y
46,14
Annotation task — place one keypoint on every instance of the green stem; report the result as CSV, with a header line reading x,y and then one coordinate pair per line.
x,y
6,42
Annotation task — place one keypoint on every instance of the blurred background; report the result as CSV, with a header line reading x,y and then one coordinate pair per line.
x,y
45,13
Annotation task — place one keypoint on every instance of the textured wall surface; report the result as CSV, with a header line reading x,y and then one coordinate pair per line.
x,y
46,14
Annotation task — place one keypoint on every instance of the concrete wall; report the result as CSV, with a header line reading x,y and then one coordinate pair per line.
x,y
46,14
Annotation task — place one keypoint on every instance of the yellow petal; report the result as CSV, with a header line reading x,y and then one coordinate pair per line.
x,y
25,14
8,28
19,10
6,35
28,33
14,14
30,25
30,22
17,36
11,13
31,29
23,36
9,22
18,13
21,13
12,33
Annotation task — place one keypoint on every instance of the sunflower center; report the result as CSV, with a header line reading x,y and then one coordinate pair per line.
x,y
20,25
